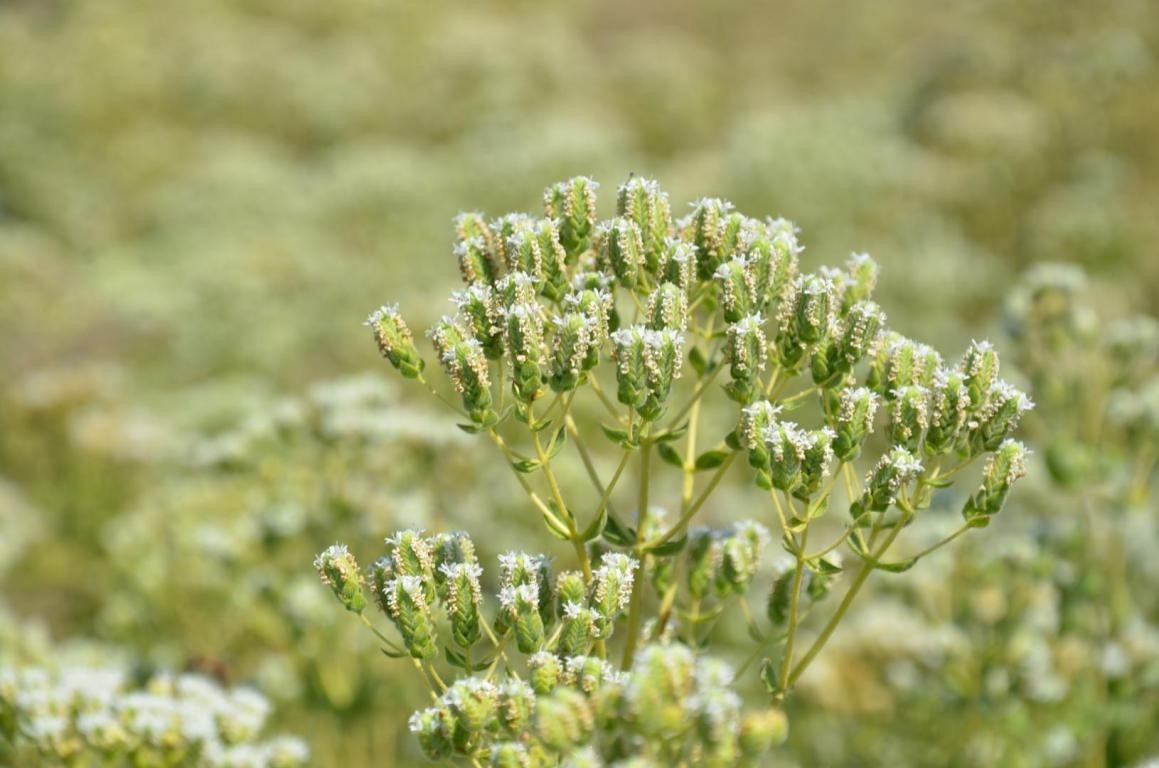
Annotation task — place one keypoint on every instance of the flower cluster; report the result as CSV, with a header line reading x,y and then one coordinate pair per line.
x,y
810,373
93,716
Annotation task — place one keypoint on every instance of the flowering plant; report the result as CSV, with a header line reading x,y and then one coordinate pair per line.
x,y
714,295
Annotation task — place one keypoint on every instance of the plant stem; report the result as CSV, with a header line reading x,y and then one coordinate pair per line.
x,y
686,518
858,582
794,604
635,612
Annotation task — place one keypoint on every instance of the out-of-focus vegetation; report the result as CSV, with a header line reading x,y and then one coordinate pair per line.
x,y
200,202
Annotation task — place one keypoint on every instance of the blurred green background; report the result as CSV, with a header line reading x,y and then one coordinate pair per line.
x,y
199,203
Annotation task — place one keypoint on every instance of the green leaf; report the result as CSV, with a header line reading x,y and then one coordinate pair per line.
x,y
593,531
470,429
698,361
769,676
483,664
669,455
855,544
670,547
825,566
617,533
557,442
668,435
525,466
539,426
392,654
900,567
618,436
732,440
454,658
556,526
711,459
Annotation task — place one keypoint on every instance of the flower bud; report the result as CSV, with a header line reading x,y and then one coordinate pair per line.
x,y
563,720
812,310
473,701
339,571
555,278
408,608
885,481
1000,415
516,706
570,351
434,727
524,336
545,671
622,250
521,605
703,562
816,463
595,304
667,307
909,416
583,758
381,571
510,754
861,271
475,249
482,315
466,365
741,547
572,203
763,730
580,629
949,411
855,415
1004,468
395,341
705,227
661,682
786,444
771,261
515,245
678,264
980,367
647,363
569,588
475,264
515,288
642,201
463,595
755,420
612,589
717,721
411,555
858,332
587,673
737,289
746,350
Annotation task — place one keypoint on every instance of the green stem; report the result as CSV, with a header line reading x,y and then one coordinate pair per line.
x,y
682,523
635,612
794,604
858,582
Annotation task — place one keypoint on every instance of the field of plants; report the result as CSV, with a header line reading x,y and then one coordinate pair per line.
x,y
858,468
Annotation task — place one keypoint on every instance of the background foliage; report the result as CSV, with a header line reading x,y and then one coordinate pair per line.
x,y
199,203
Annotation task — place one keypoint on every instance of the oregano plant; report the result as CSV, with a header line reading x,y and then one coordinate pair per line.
x,y
703,347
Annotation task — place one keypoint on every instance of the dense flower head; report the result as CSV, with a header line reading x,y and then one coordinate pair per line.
x,y
553,308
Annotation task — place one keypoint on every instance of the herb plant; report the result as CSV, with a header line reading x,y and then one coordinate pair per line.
x,y
702,346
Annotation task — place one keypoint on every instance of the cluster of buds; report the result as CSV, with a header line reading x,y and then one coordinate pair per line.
x,y
547,300
580,711
94,716
723,560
